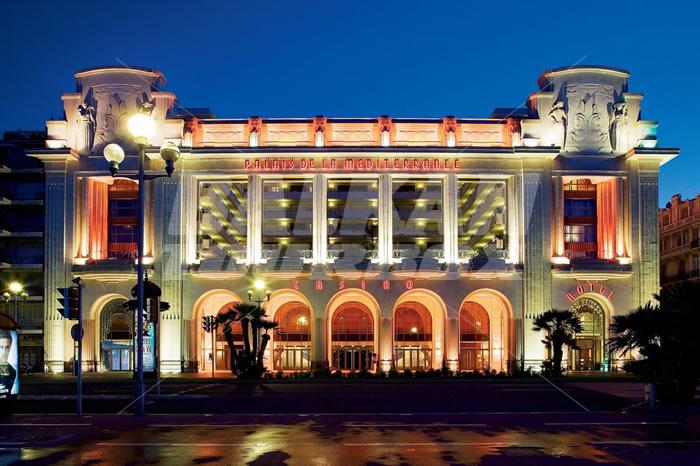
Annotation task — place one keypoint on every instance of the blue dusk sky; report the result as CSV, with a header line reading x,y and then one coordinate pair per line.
x,y
291,58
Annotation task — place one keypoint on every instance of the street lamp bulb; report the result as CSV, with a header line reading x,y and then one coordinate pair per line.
x,y
259,285
16,287
24,295
114,155
6,295
142,127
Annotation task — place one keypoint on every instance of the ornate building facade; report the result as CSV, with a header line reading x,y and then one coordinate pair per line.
x,y
386,242
679,240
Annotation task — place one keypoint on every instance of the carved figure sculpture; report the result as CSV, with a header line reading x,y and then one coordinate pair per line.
x,y
619,127
558,116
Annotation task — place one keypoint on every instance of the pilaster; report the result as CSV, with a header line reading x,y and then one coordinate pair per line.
x,y
320,224
168,249
449,194
385,219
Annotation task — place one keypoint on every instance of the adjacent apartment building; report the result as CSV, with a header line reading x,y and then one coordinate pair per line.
x,y
411,243
679,240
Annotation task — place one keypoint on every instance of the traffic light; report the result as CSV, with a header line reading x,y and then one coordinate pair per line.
x,y
69,301
154,306
206,324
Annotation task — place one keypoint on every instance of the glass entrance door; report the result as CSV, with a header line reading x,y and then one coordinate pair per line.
x,y
353,358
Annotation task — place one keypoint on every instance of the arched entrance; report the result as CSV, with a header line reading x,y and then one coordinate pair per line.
x,y
117,336
352,337
292,339
413,337
353,330
485,331
590,353
424,347
214,354
474,337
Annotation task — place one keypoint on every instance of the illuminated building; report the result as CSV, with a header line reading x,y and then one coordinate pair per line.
x,y
387,242
679,240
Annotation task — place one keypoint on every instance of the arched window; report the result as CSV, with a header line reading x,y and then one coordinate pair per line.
x,y
412,322
353,322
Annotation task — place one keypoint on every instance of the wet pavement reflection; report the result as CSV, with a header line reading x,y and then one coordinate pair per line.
x,y
490,439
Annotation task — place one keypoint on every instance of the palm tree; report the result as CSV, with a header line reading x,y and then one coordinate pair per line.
x,y
252,318
561,327
665,335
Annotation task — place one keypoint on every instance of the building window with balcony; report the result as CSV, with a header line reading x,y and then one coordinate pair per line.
x,y
353,220
481,219
417,220
122,218
223,221
287,221
590,219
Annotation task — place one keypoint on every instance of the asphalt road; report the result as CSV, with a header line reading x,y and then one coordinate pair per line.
x,y
491,422
330,396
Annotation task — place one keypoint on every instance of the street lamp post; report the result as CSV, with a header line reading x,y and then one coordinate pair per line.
x,y
16,290
142,127
258,296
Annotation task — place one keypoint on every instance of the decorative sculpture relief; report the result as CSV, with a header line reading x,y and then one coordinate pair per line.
x,y
589,129
558,116
88,115
114,102
619,127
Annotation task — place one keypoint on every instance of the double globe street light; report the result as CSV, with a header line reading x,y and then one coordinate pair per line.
x,y
142,127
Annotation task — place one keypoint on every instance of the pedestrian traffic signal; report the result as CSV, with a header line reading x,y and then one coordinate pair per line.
x,y
69,301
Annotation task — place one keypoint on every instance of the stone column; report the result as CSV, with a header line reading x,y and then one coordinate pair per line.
x,y
168,251
319,343
60,203
255,207
320,226
449,200
537,268
452,342
385,352
621,212
558,217
385,219
648,200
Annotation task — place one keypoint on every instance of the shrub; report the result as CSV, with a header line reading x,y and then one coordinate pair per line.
x,y
408,374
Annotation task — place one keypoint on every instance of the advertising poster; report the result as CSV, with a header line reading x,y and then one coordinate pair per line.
x,y
9,358
149,360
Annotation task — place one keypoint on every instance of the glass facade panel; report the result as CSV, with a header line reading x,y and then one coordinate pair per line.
x,y
353,225
223,219
417,224
287,220
481,218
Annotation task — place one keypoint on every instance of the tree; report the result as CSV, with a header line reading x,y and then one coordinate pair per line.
x,y
247,363
561,327
665,335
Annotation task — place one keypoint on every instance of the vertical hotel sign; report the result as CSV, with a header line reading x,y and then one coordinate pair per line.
x,y
354,164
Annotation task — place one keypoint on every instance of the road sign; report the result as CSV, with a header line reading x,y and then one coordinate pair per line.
x,y
77,332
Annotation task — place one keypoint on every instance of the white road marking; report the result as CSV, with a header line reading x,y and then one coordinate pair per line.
x,y
645,442
433,444
638,423
39,424
426,424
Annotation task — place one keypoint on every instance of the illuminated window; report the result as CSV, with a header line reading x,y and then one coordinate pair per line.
x,y
292,340
223,219
353,219
287,219
580,219
481,218
122,218
417,219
